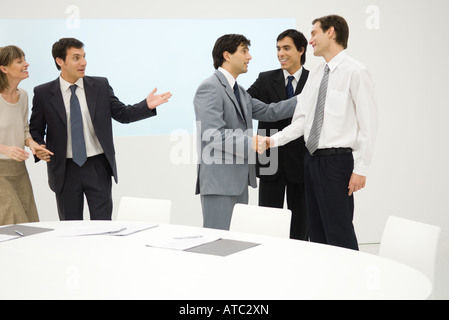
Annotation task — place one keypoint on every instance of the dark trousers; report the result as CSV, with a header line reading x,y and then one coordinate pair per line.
x,y
272,194
330,209
94,181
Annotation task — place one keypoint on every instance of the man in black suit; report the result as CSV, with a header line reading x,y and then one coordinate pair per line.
x,y
72,117
283,169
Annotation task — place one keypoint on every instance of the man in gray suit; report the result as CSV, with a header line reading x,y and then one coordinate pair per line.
x,y
224,113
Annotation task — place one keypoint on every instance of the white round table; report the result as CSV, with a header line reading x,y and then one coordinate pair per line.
x,y
49,266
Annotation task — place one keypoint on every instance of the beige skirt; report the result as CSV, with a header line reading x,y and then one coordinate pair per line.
x,y
17,204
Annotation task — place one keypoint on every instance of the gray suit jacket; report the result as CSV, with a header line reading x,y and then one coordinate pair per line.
x,y
224,135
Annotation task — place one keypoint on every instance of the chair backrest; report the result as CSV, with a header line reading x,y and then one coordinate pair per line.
x,y
261,220
144,209
412,243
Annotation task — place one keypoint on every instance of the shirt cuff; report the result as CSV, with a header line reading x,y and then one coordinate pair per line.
x,y
360,169
275,140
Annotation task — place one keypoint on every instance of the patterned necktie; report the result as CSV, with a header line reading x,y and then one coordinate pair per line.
x,y
290,91
315,132
76,120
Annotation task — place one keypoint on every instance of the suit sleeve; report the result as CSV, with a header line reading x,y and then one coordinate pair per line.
x,y
38,123
221,142
37,120
273,111
254,90
128,113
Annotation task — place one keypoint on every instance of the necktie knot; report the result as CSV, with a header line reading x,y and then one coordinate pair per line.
x,y
290,79
73,88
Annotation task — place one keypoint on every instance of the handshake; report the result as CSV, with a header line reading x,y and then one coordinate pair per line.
x,y
261,144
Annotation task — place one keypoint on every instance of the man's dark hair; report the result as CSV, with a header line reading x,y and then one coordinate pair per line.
x,y
60,48
340,25
299,40
230,43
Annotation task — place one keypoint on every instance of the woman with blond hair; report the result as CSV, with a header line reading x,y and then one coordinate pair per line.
x,y
17,203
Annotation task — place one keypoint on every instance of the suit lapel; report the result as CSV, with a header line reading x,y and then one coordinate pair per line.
x,y
91,96
230,92
302,81
279,85
57,101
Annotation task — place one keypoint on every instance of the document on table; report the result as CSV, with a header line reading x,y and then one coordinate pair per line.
x,y
22,230
181,242
113,229
133,228
6,237
223,247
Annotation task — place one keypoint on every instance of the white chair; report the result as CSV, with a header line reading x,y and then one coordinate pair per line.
x,y
144,210
412,243
261,220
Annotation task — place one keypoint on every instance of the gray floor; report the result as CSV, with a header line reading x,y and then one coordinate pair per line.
x,y
441,287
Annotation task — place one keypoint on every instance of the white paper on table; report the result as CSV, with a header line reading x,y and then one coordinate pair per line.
x,y
122,229
130,228
180,243
6,237
87,231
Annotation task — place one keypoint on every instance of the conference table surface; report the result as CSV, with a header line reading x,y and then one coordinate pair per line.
x,y
50,266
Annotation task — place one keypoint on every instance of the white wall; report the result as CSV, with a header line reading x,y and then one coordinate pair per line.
x,y
404,46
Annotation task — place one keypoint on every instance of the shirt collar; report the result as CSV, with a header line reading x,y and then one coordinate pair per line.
x,y
297,74
228,76
65,85
333,64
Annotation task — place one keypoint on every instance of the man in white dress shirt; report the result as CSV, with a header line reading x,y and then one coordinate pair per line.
x,y
338,168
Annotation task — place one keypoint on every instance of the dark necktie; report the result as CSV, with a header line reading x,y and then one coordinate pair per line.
x,y
290,91
76,120
237,94
315,132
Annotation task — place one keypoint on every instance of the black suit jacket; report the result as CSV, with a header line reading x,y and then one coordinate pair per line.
x,y
270,87
48,123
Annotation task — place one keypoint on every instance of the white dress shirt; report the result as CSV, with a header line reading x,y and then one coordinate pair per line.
x,y
93,146
350,112
296,76
228,76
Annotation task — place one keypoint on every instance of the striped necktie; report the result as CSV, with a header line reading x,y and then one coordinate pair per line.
x,y
315,132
